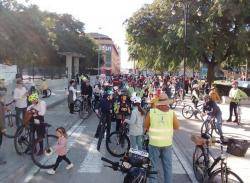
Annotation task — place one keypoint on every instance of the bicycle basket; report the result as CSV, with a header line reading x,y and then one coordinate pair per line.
x,y
237,147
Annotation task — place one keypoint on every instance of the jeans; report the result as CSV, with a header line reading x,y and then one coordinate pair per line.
x,y
165,155
218,123
233,107
136,142
19,112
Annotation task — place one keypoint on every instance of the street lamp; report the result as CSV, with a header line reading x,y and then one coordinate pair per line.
x,y
99,51
185,6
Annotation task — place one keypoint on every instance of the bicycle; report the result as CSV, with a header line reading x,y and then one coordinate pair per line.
x,y
209,126
85,107
137,167
204,164
188,112
25,141
118,142
10,122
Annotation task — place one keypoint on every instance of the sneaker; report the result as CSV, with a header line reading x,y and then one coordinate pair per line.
x,y
71,165
51,172
229,120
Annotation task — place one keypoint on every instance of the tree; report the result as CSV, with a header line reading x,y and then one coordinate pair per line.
x,y
221,34
28,35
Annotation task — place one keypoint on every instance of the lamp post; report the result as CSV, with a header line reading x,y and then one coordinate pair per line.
x,y
99,50
185,6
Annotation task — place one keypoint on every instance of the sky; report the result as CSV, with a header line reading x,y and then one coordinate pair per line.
x,y
101,16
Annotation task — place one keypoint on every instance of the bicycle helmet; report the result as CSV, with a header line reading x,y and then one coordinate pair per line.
x,y
33,97
137,100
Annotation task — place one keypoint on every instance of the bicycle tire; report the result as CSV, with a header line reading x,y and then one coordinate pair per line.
x,y
44,161
234,178
22,140
77,105
101,136
11,126
187,109
48,92
118,138
207,127
199,163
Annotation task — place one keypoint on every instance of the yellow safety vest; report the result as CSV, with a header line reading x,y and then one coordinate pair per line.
x,y
161,128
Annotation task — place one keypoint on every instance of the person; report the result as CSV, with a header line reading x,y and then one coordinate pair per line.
x,y
44,87
3,91
206,88
38,110
136,124
20,97
106,104
195,95
161,122
214,111
61,150
214,95
235,95
86,89
71,96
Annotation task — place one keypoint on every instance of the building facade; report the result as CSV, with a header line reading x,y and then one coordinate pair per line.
x,y
109,54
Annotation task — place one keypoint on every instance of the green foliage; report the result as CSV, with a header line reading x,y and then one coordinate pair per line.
x,y
221,34
28,36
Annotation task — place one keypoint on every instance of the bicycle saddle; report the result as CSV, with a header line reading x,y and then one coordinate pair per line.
x,y
206,136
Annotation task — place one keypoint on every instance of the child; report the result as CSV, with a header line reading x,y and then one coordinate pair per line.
x,y
61,150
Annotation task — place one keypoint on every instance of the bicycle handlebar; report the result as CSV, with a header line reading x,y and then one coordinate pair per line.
x,y
114,164
10,103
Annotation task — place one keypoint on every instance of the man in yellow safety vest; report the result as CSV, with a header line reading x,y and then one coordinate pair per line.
x,y
160,123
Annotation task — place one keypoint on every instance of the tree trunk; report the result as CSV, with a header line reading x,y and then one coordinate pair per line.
x,y
210,72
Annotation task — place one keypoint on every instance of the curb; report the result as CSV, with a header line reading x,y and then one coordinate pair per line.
x,y
186,166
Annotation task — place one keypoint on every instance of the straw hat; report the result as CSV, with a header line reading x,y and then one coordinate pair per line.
x,y
162,100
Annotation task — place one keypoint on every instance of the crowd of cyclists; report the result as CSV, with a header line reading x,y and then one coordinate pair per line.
x,y
121,98
129,99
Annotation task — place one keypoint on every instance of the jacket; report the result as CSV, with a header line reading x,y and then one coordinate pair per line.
x,y
61,146
136,123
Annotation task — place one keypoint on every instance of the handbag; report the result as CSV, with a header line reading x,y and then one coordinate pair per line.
x,y
237,147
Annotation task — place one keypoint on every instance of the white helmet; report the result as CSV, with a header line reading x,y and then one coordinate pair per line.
x,y
137,100
133,98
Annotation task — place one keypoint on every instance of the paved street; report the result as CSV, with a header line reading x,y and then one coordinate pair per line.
x,y
239,165
82,152
88,165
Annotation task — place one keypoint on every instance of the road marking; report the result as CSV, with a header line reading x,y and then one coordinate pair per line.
x,y
74,132
92,162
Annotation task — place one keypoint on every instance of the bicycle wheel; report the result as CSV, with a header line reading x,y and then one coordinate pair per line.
x,y
199,163
101,136
10,122
117,144
48,92
187,111
77,105
22,140
44,158
207,127
228,176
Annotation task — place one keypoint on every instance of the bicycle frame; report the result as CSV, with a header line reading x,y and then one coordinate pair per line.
x,y
210,169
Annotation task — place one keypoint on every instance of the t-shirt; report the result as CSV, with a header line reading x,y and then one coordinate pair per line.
x,y
20,97
40,107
